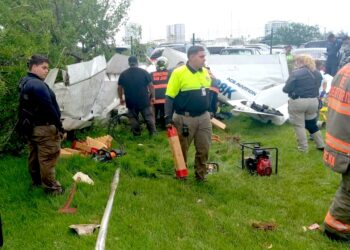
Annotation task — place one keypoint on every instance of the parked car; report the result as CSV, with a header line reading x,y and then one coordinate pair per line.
x,y
215,50
316,44
239,51
315,53
263,48
182,47
278,49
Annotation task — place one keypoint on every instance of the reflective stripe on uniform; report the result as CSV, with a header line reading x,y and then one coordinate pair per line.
x,y
335,224
159,101
338,106
159,86
337,144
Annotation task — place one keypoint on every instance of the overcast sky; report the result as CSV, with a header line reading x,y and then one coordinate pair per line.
x,y
220,18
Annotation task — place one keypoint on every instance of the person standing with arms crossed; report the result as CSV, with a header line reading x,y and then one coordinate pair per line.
x,y
39,106
187,95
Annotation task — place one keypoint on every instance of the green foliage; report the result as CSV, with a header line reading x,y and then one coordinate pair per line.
x,y
152,210
137,48
66,31
295,34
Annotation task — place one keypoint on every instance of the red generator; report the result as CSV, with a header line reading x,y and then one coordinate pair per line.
x,y
259,162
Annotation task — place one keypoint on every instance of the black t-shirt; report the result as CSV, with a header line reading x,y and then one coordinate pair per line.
x,y
134,82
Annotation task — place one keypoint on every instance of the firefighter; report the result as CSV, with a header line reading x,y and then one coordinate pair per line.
x,y
337,154
160,80
187,94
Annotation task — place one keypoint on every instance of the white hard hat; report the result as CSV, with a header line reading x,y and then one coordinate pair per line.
x,y
162,63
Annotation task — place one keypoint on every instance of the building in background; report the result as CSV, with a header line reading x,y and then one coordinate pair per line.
x,y
274,26
175,33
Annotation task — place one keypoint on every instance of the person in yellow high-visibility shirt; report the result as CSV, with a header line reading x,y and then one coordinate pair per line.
x,y
187,96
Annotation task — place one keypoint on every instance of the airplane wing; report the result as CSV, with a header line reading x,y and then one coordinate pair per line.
x,y
253,85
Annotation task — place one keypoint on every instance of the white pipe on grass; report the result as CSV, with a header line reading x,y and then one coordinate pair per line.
x,y
101,239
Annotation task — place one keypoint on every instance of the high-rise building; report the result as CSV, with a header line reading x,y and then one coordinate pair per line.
x,y
175,33
274,26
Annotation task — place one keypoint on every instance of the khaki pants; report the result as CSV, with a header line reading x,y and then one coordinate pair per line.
x,y
300,110
44,150
200,131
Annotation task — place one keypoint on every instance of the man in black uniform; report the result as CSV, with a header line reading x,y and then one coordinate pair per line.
x,y
136,84
333,47
40,119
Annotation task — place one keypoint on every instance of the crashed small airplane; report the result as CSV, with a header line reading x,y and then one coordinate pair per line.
x,y
252,84
88,90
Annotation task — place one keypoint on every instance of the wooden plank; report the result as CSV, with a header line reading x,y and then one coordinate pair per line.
x,y
107,140
218,123
95,143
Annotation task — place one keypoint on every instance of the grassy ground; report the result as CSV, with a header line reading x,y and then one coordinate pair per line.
x,y
152,210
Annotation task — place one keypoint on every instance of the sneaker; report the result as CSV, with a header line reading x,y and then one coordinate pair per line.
x,y
303,150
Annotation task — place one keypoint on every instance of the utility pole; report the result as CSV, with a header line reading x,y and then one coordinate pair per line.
x,y
193,39
131,47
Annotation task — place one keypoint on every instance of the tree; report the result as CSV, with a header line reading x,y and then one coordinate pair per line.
x,y
294,34
133,38
64,30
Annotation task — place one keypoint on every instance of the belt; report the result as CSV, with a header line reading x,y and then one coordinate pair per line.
x,y
192,114
300,97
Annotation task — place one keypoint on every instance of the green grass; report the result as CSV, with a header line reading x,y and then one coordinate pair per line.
x,y
152,210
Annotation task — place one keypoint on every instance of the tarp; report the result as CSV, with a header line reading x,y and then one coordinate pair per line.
x,y
117,64
88,94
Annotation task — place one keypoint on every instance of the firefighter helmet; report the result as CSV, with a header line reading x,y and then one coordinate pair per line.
x,y
162,63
